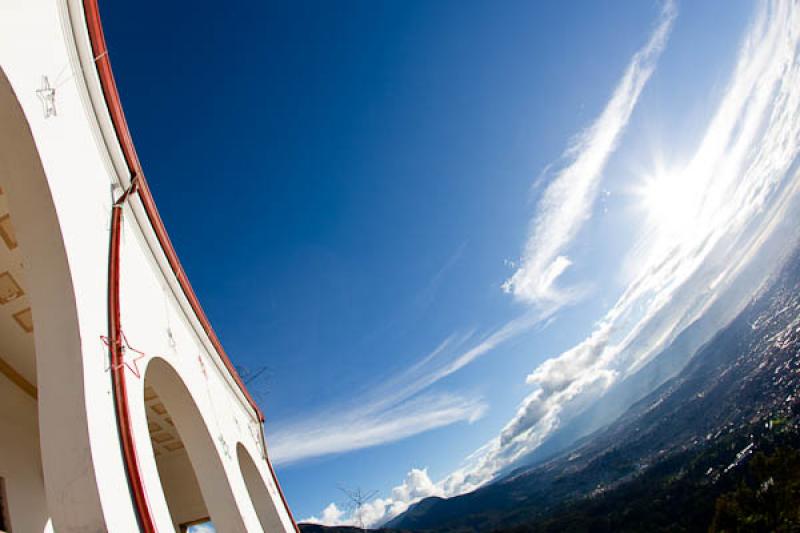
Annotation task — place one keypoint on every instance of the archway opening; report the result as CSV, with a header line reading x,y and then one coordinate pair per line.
x,y
193,478
260,495
27,226
178,480
22,495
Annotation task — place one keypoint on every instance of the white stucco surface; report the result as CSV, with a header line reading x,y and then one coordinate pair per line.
x,y
20,462
60,175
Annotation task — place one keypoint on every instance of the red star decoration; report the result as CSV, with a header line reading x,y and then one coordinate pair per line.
x,y
124,348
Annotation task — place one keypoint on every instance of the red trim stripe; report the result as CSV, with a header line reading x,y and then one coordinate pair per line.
x,y
114,105
127,441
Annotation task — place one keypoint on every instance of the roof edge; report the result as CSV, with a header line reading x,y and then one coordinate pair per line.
x,y
114,106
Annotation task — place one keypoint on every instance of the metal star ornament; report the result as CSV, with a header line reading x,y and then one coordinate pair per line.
x,y
125,347
47,95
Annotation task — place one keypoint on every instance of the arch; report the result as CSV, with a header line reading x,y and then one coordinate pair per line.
x,y
192,475
69,478
261,497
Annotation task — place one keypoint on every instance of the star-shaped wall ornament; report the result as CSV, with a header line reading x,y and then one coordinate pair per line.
x,y
47,95
125,347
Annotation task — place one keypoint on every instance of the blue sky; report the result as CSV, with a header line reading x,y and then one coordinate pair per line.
x,y
445,227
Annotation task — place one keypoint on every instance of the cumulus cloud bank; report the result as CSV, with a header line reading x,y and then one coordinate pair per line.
x,y
713,216
566,203
741,182
416,486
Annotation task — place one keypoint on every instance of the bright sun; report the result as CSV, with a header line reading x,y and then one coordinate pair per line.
x,y
669,201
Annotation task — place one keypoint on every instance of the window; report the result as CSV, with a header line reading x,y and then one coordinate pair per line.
x,y
5,525
203,525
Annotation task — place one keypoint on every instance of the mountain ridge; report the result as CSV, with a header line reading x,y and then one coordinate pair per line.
x,y
733,383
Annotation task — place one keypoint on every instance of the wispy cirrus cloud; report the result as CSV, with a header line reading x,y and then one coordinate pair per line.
x,y
713,217
394,407
332,432
563,209
567,201
399,407
393,410
701,223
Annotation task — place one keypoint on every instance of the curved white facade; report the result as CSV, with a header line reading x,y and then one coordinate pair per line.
x,y
196,449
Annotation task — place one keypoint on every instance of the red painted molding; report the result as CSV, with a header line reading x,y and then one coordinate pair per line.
x,y
127,441
103,65
114,105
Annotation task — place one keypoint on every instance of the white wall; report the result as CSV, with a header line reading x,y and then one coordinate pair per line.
x,y
20,461
77,162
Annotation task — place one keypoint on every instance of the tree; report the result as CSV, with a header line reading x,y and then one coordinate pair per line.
x,y
767,499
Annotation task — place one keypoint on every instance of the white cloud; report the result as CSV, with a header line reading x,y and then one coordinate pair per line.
x,y
331,515
483,346
416,486
741,182
714,214
567,201
333,432
397,408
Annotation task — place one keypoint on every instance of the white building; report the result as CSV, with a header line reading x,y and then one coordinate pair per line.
x,y
119,409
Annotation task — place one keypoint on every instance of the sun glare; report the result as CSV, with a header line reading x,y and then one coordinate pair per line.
x,y
668,200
